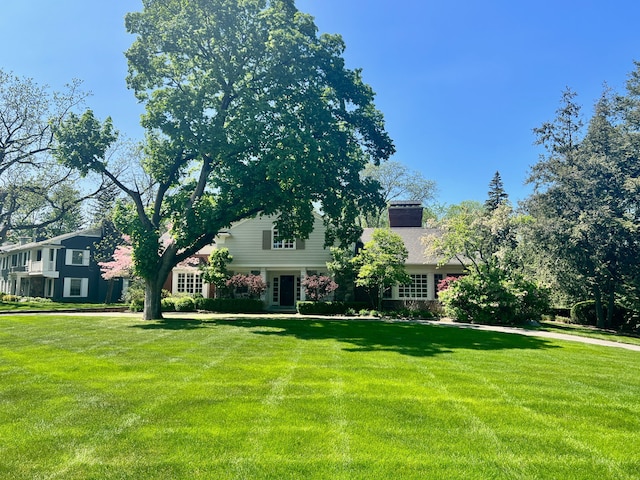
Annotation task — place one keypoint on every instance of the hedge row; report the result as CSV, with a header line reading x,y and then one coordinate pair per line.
x,y
230,305
189,304
329,308
584,313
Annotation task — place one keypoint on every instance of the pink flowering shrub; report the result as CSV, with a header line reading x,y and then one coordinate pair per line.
x,y
251,285
317,287
446,283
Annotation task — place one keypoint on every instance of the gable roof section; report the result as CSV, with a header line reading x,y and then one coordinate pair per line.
x,y
54,241
412,238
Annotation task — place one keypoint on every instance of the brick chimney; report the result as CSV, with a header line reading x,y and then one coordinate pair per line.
x,y
405,214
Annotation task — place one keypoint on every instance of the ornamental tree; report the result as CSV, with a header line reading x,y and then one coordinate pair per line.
x,y
121,266
248,111
381,262
252,285
215,270
317,287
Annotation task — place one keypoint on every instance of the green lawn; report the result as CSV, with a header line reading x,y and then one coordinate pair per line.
x,y
114,397
591,332
35,305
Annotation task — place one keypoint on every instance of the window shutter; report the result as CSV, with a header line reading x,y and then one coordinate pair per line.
x,y
266,239
84,286
299,244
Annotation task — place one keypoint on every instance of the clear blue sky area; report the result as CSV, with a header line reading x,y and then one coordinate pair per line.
x,y
461,83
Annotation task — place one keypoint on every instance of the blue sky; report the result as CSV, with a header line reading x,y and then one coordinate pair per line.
x,y
461,83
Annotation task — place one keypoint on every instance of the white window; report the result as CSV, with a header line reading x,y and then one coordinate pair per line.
x,y
77,257
189,283
418,288
281,243
75,287
48,287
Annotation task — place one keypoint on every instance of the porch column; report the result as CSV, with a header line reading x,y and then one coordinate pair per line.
x,y
263,275
303,275
431,285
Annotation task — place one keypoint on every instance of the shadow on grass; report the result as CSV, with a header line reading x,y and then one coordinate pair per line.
x,y
173,324
367,336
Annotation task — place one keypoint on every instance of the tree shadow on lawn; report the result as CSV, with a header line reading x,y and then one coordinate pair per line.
x,y
173,324
406,338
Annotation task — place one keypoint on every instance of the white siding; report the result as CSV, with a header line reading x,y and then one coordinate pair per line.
x,y
245,244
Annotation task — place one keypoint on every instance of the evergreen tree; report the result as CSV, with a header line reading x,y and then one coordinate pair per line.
x,y
496,196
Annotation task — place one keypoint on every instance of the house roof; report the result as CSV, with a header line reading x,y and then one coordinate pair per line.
x,y
412,238
54,241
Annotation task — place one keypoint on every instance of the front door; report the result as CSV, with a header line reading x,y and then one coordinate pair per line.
x,y
287,291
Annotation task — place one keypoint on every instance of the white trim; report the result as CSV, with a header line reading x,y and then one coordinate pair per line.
x,y
85,254
84,287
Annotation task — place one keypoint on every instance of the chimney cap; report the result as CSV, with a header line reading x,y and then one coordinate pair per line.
x,y
405,203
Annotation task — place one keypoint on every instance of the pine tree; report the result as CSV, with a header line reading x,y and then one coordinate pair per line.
x,y
497,195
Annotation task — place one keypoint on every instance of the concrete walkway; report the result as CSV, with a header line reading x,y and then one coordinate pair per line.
x,y
541,333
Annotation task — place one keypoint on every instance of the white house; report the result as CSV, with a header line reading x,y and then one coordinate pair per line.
x,y
257,248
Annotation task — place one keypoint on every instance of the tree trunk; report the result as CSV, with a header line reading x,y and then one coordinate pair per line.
x,y
107,299
600,316
152,299
611,307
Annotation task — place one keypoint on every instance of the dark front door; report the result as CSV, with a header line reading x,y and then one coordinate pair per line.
x,y
287,291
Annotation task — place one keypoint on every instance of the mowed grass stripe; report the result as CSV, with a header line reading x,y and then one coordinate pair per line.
x,y
539,433
117,397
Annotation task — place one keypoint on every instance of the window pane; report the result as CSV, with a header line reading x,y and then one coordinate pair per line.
x,y
77,257
75,287
418,288
280,243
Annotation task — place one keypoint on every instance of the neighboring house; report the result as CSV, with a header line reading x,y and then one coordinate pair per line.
x,y
257,249
61,268
405,219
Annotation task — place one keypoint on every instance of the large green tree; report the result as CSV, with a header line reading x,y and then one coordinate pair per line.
x,y
585,200
248,111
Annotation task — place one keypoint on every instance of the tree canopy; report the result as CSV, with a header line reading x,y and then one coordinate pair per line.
x,y
397,182
380,263
37,195
248,111
586,197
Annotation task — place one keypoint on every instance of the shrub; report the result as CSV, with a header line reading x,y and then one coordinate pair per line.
x,y
185,304
584,313
168,304
134,296
11,298
136,304
492,297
